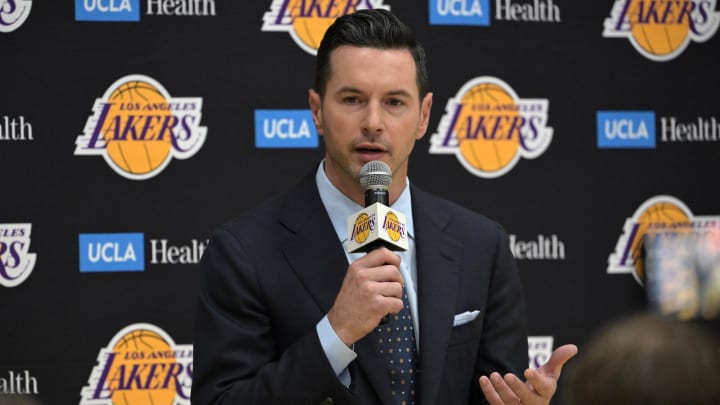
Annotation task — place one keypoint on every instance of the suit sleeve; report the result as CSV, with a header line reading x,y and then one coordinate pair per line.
x,y
503,345
236,355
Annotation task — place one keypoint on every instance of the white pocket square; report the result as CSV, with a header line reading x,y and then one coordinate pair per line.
x,y
465,317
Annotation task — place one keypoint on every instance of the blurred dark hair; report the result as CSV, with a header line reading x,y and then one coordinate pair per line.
x,y
19,399
646,359
373,28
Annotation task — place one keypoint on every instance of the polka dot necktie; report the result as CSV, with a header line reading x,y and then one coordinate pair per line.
x,y
396,340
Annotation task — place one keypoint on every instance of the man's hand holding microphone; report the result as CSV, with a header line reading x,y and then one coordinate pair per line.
x,y
373,285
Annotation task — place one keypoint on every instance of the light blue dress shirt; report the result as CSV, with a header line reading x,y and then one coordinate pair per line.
x,y
339,207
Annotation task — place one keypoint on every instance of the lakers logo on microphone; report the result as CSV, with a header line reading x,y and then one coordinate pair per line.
x,y
661,29
307,20
365,232
394,228
137,127
489,128
364,224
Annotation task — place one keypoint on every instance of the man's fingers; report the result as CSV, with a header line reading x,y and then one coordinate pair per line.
x,y
511,390
489,391
360,272
367,278
544,385
389,289
540,386
520,389
507,395
380,256
560,356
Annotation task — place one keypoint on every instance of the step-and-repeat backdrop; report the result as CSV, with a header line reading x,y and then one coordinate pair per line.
x,y
129,129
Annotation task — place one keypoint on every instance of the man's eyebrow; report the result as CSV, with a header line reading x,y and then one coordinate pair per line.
x,y
348,89
399,92
354,90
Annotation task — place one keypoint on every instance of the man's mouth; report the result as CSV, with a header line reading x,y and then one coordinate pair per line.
x,y
370,149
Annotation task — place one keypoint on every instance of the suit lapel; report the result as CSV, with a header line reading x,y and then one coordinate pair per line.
x,y
318,259
304,215
438,268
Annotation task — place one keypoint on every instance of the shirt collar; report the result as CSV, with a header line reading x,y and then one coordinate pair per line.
x,y
339,207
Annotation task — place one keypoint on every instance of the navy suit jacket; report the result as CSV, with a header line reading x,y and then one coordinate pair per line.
x,y
268,277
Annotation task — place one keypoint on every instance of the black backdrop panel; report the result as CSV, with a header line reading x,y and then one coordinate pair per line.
x,y
565,209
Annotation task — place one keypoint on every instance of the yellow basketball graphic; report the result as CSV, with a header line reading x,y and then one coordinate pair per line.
x,y
487,103
362,228
656,38
392,226
311,30
135,349
308,25
137,156
660,213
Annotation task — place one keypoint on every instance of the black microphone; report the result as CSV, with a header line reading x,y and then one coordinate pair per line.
x,y
365,233
376,225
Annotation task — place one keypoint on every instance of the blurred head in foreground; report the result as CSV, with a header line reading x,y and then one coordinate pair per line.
x,y
17,399
647,359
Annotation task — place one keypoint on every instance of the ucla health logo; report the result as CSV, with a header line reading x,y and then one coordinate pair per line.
x,y
137,127
626,129
13,14
307,20
543,247
661,215
100,252
107,10
16,261
129,10
18,383
661,29
285,129
15,129
477,12
459,12
489,128
141,365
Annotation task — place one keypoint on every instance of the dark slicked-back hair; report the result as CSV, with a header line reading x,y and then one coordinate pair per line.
x,y
372,28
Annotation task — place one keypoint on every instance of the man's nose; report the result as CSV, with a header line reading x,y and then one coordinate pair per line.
x,y
373,122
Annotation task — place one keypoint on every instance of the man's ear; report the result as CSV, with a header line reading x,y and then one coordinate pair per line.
x,y
315,103
425,108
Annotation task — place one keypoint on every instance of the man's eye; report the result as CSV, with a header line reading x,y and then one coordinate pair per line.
x,y
395,102
351,100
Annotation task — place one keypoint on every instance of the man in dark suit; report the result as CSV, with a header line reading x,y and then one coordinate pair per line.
x,y
286,316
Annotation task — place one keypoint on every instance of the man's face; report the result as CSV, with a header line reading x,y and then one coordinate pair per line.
x,y
371,110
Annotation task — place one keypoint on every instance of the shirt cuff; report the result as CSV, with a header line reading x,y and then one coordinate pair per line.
x,y
338,354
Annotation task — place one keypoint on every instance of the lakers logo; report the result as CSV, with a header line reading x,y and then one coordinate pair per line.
x,y
489,128
138,128
657,217
394,228
141,365
661,29
364,224
13,14
307,20
16,260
